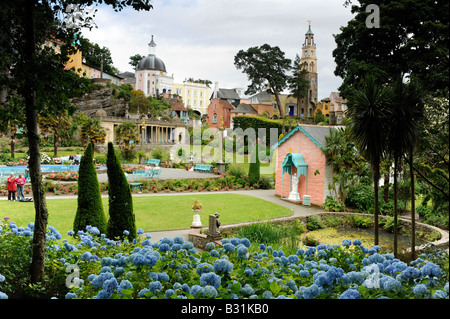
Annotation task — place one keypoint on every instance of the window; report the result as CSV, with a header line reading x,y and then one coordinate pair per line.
x,y
214,118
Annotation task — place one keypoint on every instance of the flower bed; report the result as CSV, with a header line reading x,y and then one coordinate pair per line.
x,y
63,176
172,269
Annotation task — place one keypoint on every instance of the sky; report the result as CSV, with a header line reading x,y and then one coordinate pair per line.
x,y
199,38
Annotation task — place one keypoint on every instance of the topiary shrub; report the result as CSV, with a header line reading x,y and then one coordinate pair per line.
x,y
90,207
253,170
121,215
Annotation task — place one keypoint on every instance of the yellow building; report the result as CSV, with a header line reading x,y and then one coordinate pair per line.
x,y
324,107
194,95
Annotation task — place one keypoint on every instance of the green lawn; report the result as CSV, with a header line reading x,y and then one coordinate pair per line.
x,y
156,212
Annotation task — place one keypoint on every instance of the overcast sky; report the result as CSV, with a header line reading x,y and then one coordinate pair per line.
x,y
199,38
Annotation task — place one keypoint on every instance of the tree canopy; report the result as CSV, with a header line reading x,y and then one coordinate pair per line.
x,y
412,39
266,68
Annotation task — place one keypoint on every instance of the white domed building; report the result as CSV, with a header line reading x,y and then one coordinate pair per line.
x,y
151,74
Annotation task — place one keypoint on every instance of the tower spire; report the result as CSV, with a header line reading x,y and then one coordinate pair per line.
x,y
151,46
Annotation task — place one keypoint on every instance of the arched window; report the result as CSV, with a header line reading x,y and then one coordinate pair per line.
x,y
214,118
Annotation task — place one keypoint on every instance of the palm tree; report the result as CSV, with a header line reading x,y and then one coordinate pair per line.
x,y
92,131
127,136
407,112
368,112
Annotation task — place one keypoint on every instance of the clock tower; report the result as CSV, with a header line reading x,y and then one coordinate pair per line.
x,y
309,62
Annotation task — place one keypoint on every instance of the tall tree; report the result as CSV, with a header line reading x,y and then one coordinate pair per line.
x,y
404,126
99,57
121,214
32,68
298,82
55,124
412,39
90,206
266,68
368,112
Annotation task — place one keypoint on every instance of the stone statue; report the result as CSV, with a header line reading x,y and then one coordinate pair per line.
x,y
293,195
294,183
214,225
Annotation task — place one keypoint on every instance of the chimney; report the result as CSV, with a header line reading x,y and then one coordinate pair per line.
x,y
216,90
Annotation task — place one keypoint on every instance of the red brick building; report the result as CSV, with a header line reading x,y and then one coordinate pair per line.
x,y
219,111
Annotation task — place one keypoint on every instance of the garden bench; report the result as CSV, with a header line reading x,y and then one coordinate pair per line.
x,y
202,168
156,173
136,185
153,161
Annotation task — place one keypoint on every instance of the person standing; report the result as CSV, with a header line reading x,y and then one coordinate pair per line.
x,y
11,187
20,181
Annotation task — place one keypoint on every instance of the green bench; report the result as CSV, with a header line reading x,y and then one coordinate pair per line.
x,y
136,185
202,168
153,161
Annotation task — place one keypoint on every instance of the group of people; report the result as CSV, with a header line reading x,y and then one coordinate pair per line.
x,y
16,184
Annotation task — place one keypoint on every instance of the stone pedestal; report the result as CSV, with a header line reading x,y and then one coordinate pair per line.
x,y
221,167
213,229
196,223
294,196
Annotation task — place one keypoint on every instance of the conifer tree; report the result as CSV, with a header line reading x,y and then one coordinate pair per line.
x,y
90,207
253,170
121,215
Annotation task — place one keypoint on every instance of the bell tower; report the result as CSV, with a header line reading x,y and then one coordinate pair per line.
x,y
309,62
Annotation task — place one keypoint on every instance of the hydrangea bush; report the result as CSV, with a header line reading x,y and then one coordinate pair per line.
x,y
94,266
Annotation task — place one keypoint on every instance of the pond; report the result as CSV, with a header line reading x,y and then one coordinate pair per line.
x,y
7,170
331,235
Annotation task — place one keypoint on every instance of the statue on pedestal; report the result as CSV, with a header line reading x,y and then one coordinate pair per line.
x,y
293,195
214,224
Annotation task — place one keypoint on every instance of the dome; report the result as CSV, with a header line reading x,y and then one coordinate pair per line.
x,y
151,62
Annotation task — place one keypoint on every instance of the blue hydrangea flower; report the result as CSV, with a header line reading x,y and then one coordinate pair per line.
x,y
350,294
420,290
245,242
311,292
230,248
262,246
3,295
431,270
196,289
248,272
247,290
222,265
267,294
169,293
204,268
154,286
291,284
389,283
211,279
346,242
357,242
69,295
210,292
242,252
124,284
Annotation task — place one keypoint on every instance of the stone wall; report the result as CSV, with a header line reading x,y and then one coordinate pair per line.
x,y
101,102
